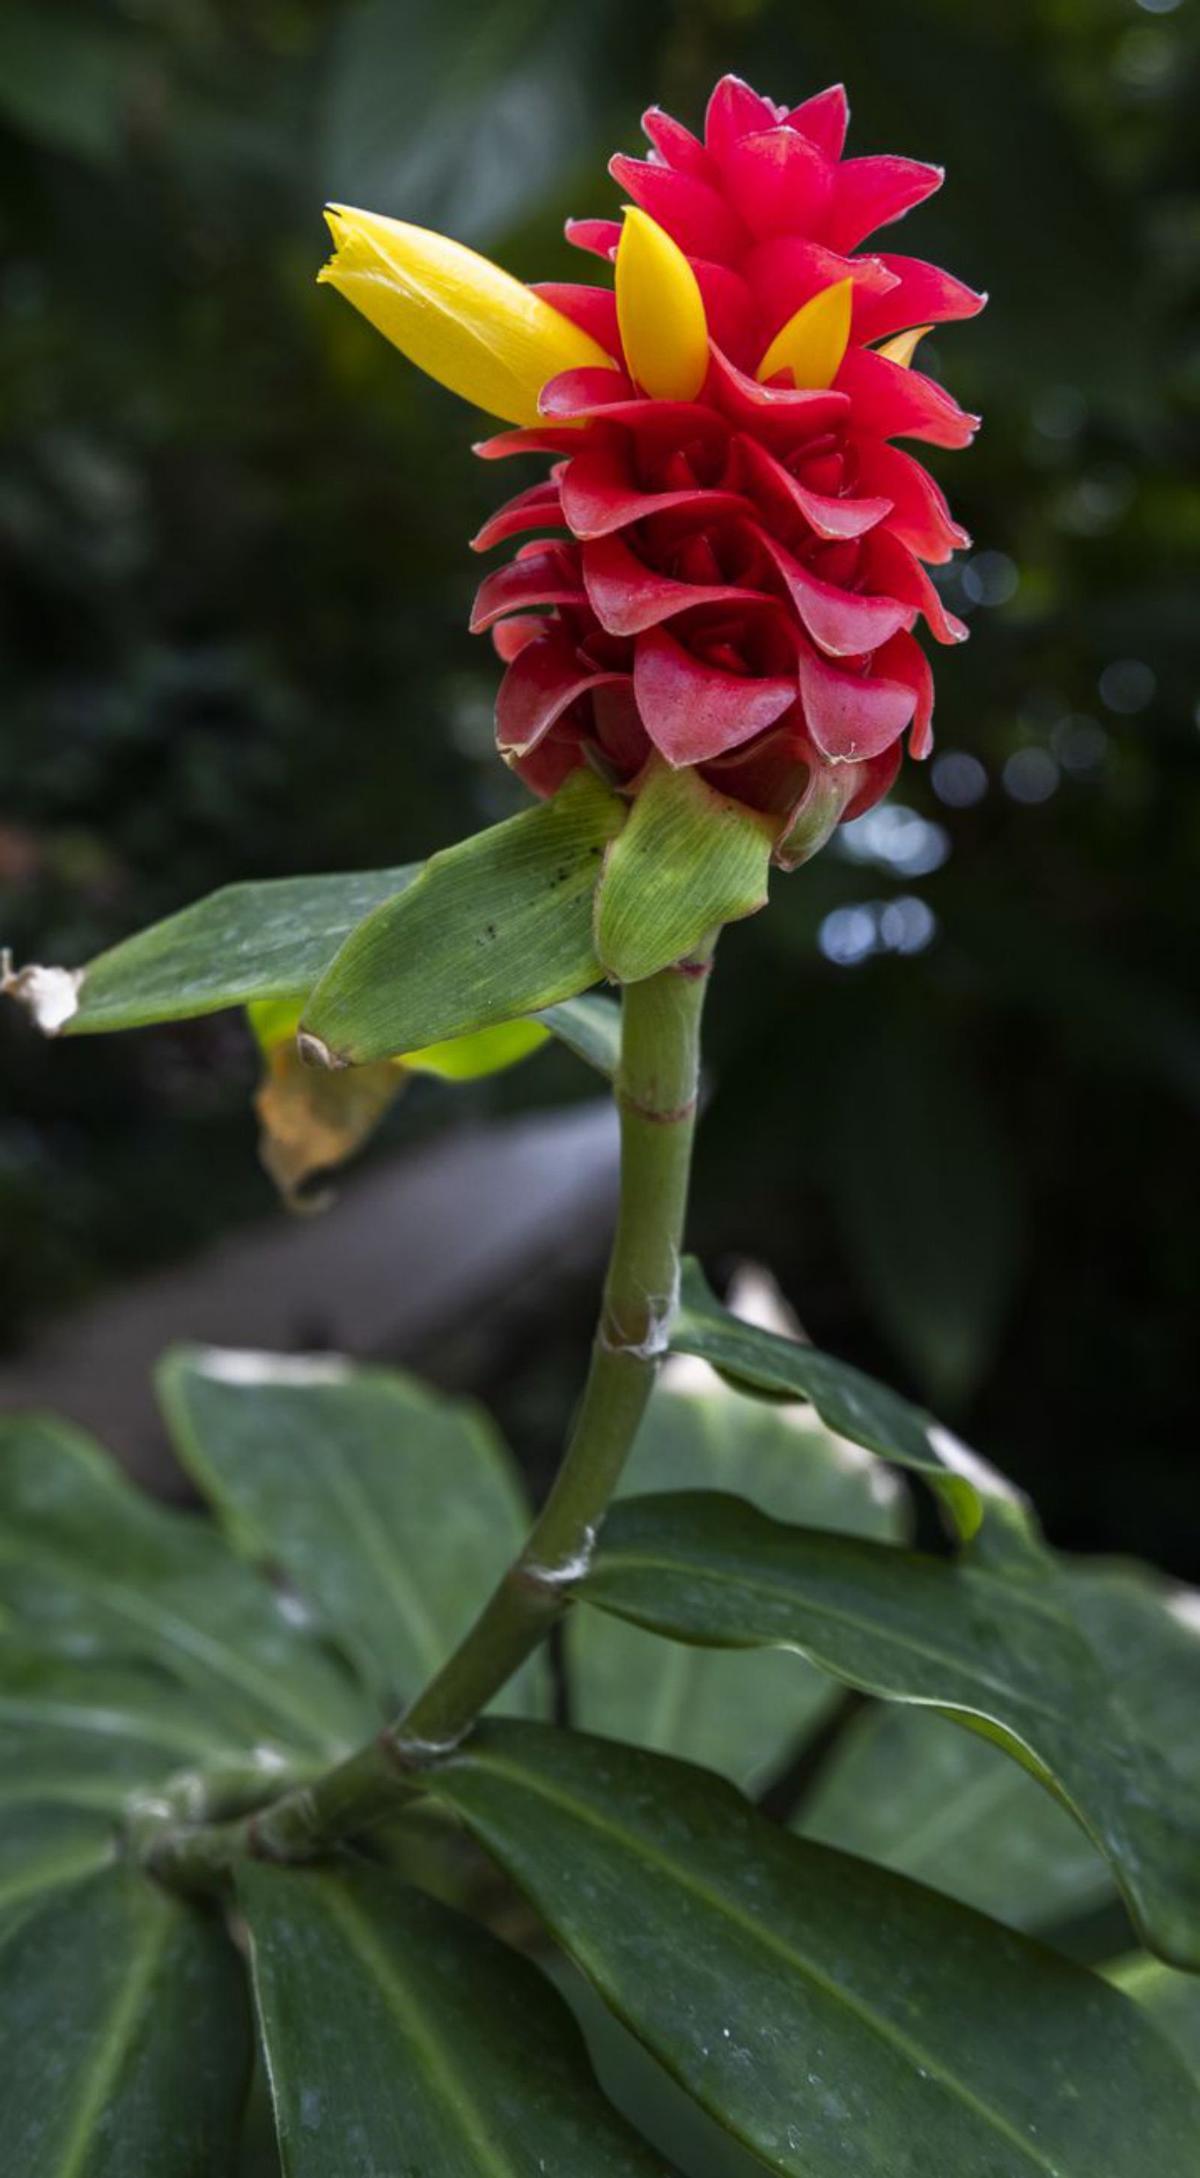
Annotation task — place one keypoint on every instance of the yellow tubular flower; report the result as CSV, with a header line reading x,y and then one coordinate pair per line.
x,y
812,343
902,347
454,314
660,311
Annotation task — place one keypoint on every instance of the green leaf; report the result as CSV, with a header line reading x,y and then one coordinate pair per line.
x,y
646,2094
1172,2000
90,1732
739,1714
486,1051
240,945
905,1789
936,1234
393,1509
409,2039
45,1848
687,861
275,1021
1010,1655
495,927
126,2040
258,2148
841,2021
89,1564
591,1028
264,946
849,1402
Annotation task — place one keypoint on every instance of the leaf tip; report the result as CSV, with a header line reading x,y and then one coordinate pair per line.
x,y
49,995
316,1052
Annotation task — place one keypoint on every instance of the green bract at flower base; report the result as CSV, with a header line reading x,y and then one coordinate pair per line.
x,y
687,862
496,927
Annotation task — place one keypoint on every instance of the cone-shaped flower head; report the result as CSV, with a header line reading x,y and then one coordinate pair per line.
x,y
726,564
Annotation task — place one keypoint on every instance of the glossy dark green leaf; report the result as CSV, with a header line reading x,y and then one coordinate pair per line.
x,y
258,2148
91,1733
240,945
126,2041
906,1789
46,1848
1009,1653
402,2038
498,926
841,2021
1146,1632
392,1509
738,1713
1172,2000
687,861
849,1402
89,1565
661,2110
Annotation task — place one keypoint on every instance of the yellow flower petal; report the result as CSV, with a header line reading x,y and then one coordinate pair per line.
x,y
660,311
454,314
902,347
812,343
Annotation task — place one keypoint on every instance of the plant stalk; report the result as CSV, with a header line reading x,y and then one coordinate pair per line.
x,y
656,1088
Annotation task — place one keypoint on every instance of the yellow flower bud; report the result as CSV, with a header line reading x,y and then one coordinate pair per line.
x,y
454,314
812,343
660,310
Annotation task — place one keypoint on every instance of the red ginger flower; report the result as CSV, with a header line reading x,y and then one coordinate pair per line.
x,y
742,565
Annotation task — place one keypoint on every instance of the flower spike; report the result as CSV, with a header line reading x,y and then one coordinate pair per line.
x,y
725,567
660,311
454,314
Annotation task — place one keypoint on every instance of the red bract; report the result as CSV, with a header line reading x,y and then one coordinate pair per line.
x,y
741,571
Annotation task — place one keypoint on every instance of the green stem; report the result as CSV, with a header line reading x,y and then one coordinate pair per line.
x,y
656,1089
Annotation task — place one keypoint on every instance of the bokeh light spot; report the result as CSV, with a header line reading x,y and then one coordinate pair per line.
x,y
898,838
1126,686
990,578
959,779
850,935
1030,776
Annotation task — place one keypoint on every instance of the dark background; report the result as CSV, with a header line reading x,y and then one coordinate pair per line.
x,y
233,592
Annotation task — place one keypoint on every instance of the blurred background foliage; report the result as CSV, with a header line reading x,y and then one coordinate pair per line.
x,y
957,1065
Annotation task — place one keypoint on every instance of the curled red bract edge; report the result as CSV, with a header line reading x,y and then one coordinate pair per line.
x,y
733,581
